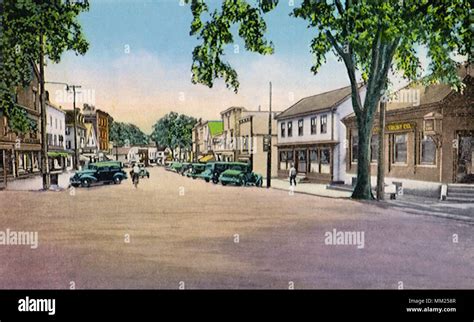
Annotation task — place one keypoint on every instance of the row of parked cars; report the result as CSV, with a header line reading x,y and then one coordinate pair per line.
x,y
236,173
103,172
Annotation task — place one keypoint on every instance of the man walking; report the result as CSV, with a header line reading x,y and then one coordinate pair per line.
x,y
292,175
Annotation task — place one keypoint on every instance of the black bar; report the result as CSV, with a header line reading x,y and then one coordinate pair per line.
x,y
289,305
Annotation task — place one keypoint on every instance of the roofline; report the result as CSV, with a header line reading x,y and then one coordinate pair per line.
x,y
233,108
278,117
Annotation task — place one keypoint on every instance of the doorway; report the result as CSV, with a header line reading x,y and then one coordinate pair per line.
x,y
465,163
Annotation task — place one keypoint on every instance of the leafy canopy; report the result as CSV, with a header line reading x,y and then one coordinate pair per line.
x,y
22,22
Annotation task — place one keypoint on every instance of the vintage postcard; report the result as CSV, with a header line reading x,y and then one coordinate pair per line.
x,y
236,145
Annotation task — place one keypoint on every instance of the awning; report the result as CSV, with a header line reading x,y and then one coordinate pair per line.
x,y
206,158
55,154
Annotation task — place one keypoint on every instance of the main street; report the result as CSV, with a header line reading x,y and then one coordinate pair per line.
x,y
174,232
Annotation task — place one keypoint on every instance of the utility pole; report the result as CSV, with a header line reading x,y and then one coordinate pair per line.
x,y
269,152
381,155
76,150
44,136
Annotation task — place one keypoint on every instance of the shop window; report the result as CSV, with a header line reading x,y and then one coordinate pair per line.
x,y
300,127
325,160
324,123
400,148
289,159
313,125
302,157
428,150
374,148
314,161
283,160
354,147
290,129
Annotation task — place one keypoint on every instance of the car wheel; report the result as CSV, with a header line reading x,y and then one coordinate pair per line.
x,y
86,183
207,180
148,176
259,183
117,180
223,183
194,178
215,180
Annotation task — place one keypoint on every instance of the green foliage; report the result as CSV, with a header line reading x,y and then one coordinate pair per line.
x,y
174,131
22,22
122,133
215,34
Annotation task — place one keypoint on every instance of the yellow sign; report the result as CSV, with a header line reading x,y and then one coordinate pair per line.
x,y
400,126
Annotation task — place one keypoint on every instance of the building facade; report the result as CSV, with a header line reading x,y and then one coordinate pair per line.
x,y
225,144
429,137
59,159
81,134
20,154
101,121
311,136
253,128
204,133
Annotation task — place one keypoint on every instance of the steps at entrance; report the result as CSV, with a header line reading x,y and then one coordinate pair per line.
x,y
460,192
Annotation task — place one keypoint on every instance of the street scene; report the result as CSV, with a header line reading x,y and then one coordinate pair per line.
x,y
236,145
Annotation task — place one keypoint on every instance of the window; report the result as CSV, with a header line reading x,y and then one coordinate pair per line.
x,y
313,125
374,148
400,148
290,129
55,123
283,160
282,129
325,160
300,127
302,155
324,123
314,161
428,150
354,147
50,121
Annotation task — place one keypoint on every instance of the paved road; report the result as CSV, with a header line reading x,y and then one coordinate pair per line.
x,y
184,230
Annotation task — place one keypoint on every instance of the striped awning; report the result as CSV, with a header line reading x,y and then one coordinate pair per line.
x,y
206,158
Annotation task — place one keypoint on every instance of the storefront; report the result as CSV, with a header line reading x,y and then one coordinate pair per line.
x,y
314,161
429,142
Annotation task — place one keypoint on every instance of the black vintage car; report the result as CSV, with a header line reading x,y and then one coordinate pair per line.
x,y
104,172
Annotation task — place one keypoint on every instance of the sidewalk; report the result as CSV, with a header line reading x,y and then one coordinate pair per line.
x,y
317,189
36,183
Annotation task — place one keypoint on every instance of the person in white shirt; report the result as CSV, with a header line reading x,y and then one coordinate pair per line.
x,y
292,174
135,173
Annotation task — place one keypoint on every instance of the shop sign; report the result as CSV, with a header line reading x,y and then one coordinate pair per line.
x,y
403,126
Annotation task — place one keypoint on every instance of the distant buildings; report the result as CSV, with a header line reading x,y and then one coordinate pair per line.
x,y
58,157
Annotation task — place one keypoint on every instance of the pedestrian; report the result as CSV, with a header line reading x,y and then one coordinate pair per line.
x,y
292,174
135,174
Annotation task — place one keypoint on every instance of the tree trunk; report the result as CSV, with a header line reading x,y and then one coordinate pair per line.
x,y
363,189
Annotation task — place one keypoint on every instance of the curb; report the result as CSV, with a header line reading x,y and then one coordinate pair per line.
x,y
312,194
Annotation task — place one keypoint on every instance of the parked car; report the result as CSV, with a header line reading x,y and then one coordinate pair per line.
x,y
105,172
184,167
240,175
196,168
143,171
174,166
214,170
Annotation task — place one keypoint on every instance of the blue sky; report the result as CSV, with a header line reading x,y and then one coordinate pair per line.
x,y
138,65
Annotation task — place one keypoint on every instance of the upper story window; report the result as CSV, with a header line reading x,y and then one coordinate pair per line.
x,y
283,128
300,127
290,129
50,121
324,123
313,125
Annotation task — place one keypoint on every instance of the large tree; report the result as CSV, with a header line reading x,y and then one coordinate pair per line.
x,y
123,133
23,23
174,131
371,37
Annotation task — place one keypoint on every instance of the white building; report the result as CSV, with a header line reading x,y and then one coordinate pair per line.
x,y
81,134
59,158
312,137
